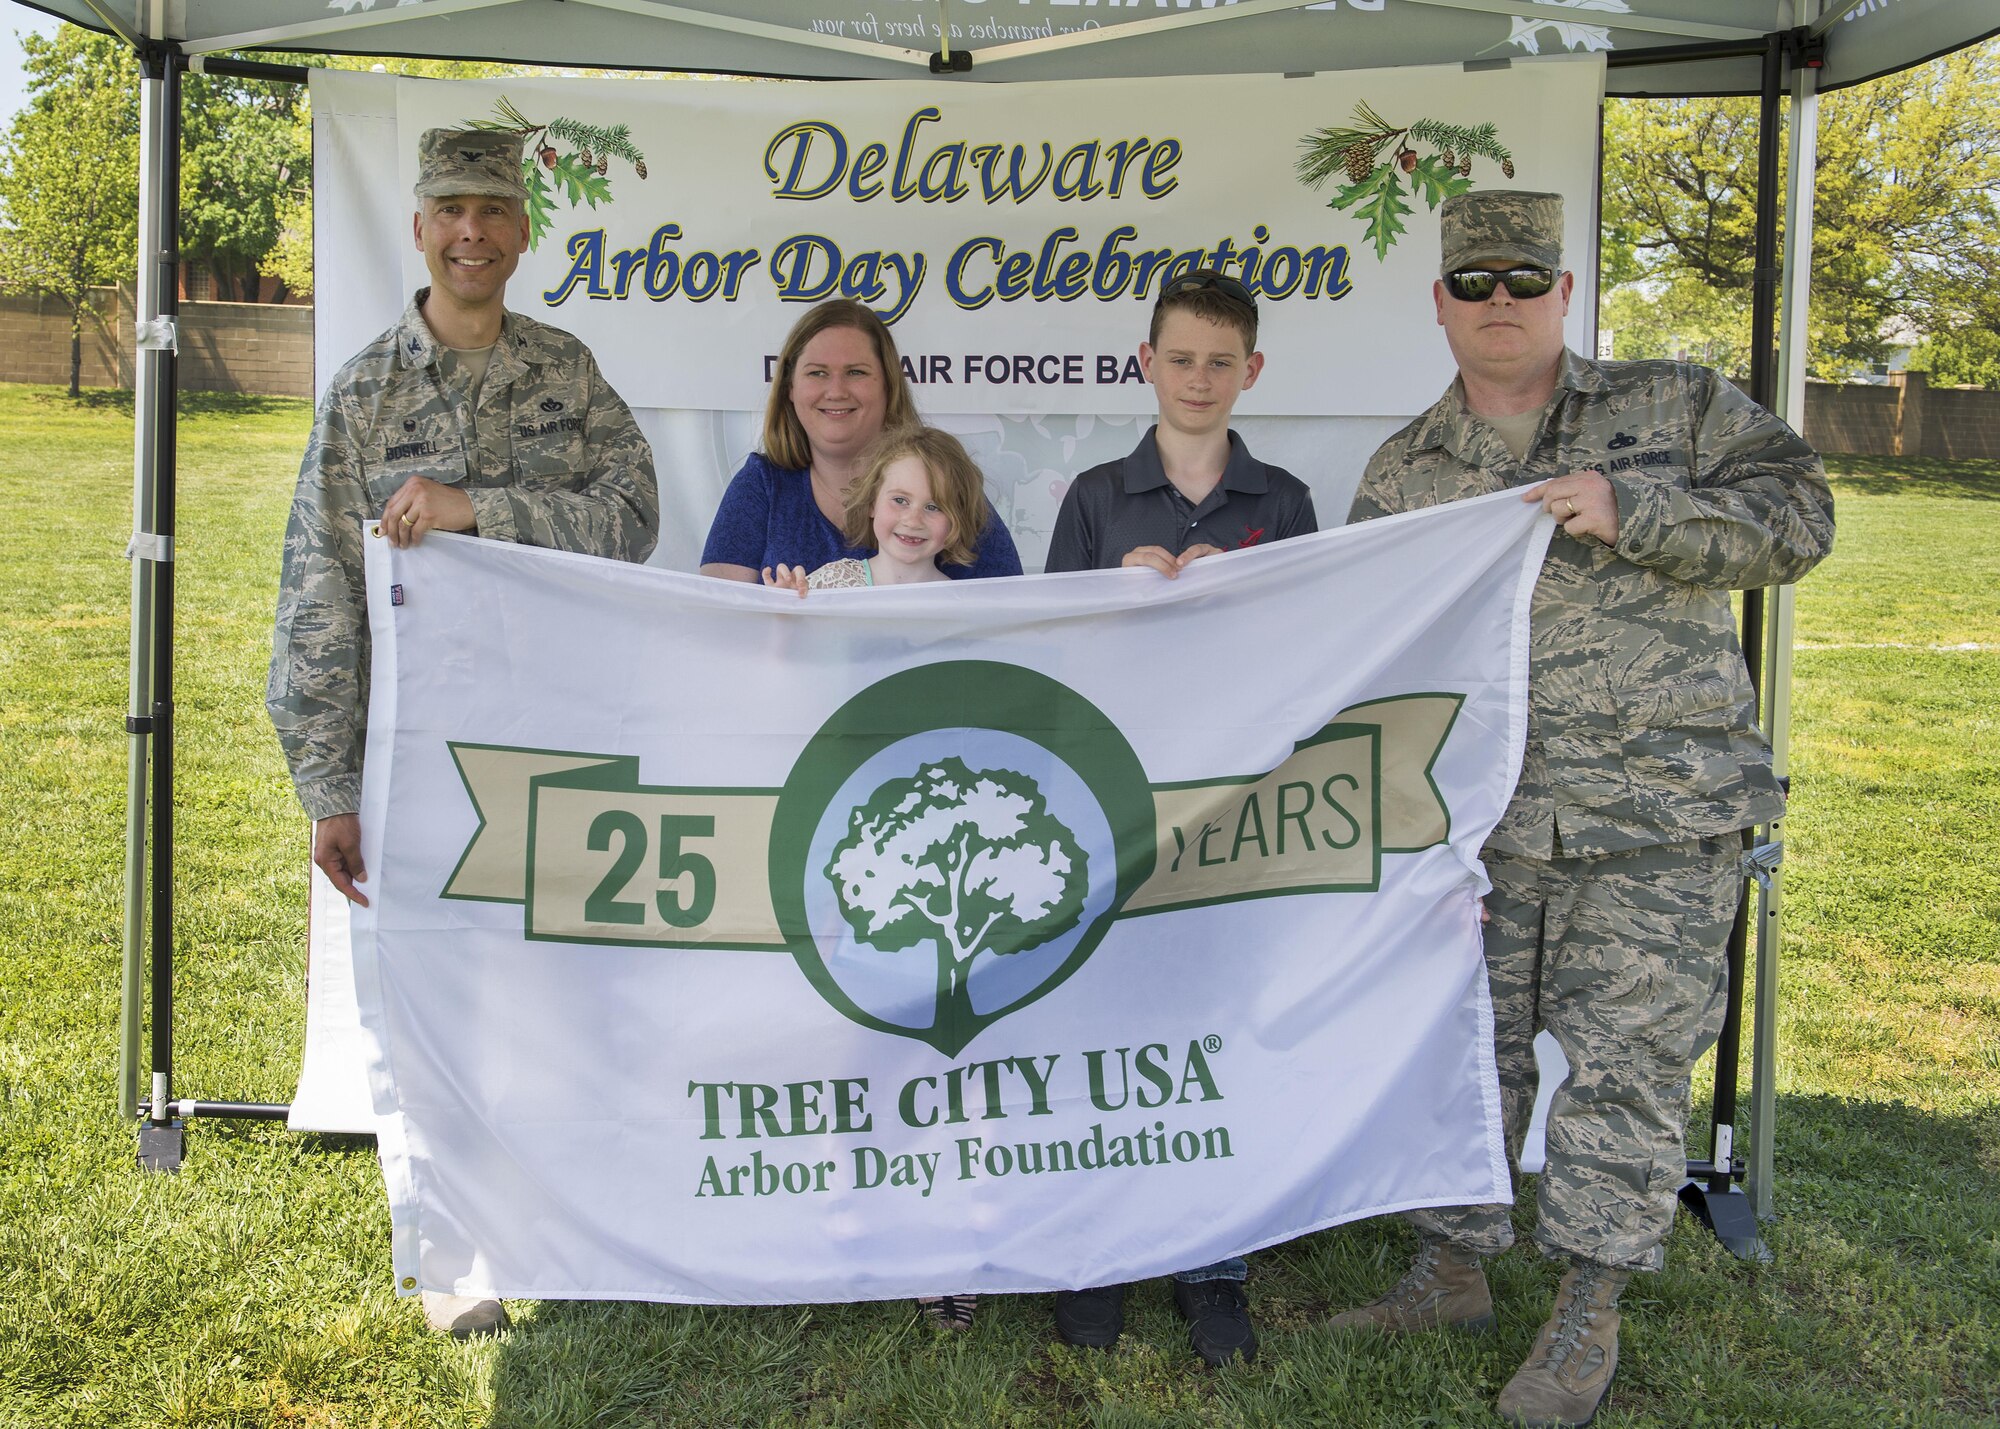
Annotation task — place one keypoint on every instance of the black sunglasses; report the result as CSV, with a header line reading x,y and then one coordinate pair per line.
x,y
1475,285
1197,279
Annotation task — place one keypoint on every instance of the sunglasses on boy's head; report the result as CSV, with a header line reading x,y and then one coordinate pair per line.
x,y
1199,278
1475,285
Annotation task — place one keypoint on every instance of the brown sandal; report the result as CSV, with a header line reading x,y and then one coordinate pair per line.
x,y
950,1312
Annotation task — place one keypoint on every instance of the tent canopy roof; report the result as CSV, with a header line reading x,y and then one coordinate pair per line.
x,y
1063,39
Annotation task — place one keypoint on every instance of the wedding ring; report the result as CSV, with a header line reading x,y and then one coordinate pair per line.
x,y
409,520
1566,501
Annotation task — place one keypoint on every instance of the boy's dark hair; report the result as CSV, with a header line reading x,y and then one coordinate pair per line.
x,y
957,487
1213,296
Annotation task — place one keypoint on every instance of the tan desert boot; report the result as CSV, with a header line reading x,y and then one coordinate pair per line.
x,y
463,1316
1570,1368
1444,1287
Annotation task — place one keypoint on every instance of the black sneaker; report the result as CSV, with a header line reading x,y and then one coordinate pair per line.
x,y
1218,1317
1091,1318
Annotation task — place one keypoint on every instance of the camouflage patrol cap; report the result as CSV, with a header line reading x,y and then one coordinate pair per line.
x,y
1507,226
470,161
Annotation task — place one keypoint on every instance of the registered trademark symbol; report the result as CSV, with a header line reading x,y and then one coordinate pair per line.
x,y
1211,1044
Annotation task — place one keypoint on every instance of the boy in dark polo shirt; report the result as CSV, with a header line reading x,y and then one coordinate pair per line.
x,y
1189,489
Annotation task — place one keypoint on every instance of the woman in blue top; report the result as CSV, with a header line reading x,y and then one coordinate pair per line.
x,y
839,385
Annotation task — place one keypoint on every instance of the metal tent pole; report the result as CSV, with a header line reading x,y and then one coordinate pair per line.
x,y
160,1136
155,385
1713,1194
1804,157
145,550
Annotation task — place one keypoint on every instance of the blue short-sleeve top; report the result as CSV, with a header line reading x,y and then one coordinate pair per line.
x,y
768,516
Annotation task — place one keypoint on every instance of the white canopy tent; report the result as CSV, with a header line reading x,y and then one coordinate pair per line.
x,y
1685,44
1653,47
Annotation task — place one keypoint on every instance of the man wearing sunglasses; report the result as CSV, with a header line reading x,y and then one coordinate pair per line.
x,y
1616,867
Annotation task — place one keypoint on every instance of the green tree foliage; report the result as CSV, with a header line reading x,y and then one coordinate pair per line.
x,y
69,176
1963,356
971,863
1906,214
241,148
246,154
1681,320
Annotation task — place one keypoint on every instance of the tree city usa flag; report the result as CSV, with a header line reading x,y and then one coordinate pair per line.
x,y
996,936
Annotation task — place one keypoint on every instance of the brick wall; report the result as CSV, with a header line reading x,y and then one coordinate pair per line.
x,y
1905,417
247,347
224,347
34,340
1962,424
1859,419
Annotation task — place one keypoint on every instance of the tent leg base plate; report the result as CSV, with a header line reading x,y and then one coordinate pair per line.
x,y
161,1146
1727,1213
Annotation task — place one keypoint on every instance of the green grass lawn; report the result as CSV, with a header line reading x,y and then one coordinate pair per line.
x,y
254,1288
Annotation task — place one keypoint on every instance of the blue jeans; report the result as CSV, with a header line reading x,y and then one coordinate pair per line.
x,y
1230,1269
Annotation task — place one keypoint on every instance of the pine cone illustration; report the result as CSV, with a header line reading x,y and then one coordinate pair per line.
x,y
639,167
1450,159
1360,162
1465,167
1507,167
585,159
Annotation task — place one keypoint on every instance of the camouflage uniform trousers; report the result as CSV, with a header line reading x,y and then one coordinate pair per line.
x,y
1622,957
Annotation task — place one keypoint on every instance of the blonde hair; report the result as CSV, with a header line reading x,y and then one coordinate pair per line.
x,y
957,488
785,440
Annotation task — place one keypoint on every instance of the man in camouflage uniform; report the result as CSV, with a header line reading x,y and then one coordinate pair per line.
x,y
1615,868
461,417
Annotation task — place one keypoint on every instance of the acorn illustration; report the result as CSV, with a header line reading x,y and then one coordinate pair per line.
x,y
1360,161
548,156
1507,167
1406,160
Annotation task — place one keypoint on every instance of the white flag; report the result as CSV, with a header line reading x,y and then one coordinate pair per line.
x,y
983,937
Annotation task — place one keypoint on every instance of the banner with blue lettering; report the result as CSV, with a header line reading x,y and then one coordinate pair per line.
x,y
1013,236
953,937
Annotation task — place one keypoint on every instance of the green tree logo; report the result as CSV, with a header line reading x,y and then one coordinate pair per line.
x,y
971,862
964,853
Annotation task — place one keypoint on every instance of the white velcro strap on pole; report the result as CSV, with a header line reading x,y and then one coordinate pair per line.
x,y
157,335
147,546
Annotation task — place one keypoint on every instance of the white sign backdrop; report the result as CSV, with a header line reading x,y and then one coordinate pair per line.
x,y
932,939
1019,316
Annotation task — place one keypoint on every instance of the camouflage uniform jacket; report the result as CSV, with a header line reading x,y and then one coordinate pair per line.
x,y
1641,715
557,461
